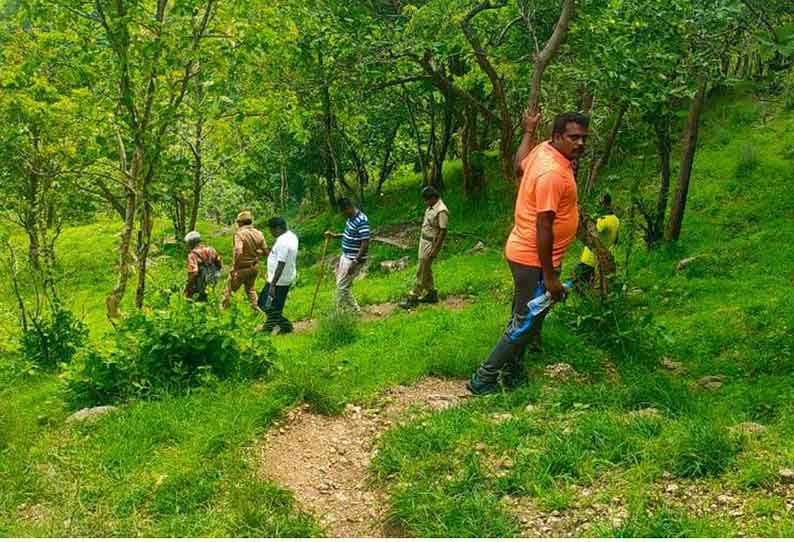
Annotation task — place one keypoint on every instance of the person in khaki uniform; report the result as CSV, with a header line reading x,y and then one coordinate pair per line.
x,y
433,234
249,247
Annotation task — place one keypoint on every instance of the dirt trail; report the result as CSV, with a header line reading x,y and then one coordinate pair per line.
x,y
370,313
325,460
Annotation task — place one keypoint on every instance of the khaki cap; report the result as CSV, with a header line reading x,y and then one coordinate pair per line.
x,y
245,216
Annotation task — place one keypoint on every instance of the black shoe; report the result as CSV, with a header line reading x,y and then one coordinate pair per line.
x,y
476,387
431,297
409,303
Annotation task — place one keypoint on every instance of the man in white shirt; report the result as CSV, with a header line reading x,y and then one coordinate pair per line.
x,y
281,273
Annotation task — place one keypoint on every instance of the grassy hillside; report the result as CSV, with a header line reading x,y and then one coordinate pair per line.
x,y
186,465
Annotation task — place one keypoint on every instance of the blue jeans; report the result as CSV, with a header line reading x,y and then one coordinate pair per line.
x,y
274,307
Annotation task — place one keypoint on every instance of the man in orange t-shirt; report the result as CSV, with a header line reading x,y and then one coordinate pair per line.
x,y
546,220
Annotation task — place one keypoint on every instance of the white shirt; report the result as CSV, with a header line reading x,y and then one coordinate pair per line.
x,y
285,249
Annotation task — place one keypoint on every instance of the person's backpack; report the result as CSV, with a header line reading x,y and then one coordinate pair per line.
x,y
208,273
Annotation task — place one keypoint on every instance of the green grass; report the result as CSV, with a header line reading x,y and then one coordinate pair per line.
x,y
186,465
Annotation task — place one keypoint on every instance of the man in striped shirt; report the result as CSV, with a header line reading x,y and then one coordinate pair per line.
x,y
355,243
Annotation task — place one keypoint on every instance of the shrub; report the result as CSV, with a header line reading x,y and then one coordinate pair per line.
x,y
702,449
338,328
611,322
53,339
167,350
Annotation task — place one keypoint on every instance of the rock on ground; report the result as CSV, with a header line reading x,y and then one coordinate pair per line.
x,y
90,413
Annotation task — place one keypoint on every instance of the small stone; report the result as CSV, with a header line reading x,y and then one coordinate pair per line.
x,y
711,382
90,413
479,246
480,447
748,428
673,366
724,499
671,488
736,513
649,412
786,475
562,371
530,408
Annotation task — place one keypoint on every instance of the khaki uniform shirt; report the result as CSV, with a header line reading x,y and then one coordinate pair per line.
x,y
436,219
249,247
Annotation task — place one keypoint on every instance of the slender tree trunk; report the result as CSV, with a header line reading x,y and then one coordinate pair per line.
x,y
113,301
34,248
603,159
331,167
662,127
441,148
687,161
473,177
387,165
585,99
198,172
144,244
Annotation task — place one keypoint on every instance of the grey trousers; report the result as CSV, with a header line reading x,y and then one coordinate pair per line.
x,y
508,354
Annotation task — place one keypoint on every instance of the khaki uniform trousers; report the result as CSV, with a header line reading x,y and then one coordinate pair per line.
x,y
424,271
245,278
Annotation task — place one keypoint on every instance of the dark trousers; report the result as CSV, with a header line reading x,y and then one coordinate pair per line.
x,y
274,307
522,330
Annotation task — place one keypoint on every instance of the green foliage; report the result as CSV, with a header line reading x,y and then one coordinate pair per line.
x,y
53,339
747,163
702,449
614,322
337,328
154,352
663,523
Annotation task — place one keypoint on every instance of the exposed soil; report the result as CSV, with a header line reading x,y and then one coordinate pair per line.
x,y
325,460
370,313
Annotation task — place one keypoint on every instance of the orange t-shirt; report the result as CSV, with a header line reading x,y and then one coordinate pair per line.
x,y
548,185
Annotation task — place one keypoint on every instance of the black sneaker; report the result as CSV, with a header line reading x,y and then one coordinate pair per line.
x,y
409,303
431,297
476,387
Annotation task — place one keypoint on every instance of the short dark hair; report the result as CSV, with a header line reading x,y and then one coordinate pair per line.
x,y
245,222
344,203
277,223
430,192
562,120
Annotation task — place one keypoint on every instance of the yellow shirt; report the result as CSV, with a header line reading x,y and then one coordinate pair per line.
x,y
607,227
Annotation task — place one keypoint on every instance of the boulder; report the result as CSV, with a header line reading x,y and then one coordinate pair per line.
x,y
90,413
390,266
478,247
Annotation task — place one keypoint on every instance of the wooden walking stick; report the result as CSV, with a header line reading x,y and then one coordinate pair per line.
x,y
320,277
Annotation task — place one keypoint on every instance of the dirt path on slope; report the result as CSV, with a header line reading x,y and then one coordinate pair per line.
x,y
325,460
370,313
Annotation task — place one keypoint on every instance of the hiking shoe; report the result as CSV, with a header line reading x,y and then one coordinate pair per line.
x,y
409,303
477,387
431,297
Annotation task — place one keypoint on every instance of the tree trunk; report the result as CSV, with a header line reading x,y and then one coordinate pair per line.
x,y
687,161
473,177
545,56
34,248
441,148
144,244
603,159
663,144
113,301
585,99
588,234
198,172
387,166
331,167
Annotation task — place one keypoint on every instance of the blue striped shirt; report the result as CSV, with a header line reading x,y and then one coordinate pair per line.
x,y
356,231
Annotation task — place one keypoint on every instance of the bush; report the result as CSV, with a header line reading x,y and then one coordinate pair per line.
x,y
611,322
167,351
53,339
701,450
338,328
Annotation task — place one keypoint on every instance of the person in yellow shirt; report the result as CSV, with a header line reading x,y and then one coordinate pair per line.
x,y
607,226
